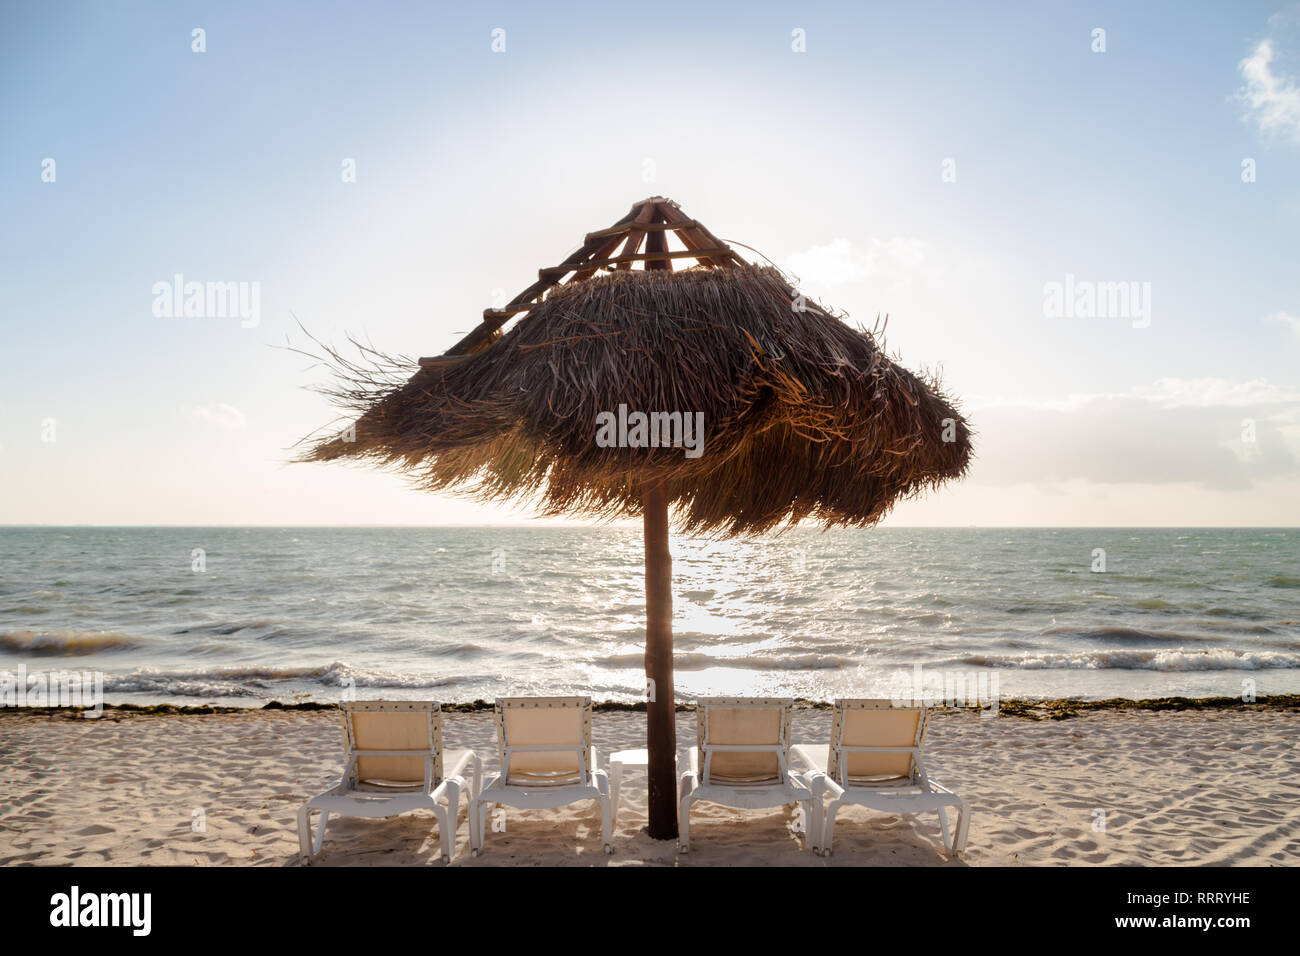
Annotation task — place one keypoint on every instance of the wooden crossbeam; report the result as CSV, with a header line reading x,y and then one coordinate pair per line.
x,y
697,238
626,261
648,227
482,335
610,243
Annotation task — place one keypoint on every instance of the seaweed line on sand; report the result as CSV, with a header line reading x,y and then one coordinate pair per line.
x,y
1061,708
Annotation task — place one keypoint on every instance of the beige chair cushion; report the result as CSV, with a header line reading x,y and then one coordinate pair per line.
x,y
877,728
744,727
542,726
381,731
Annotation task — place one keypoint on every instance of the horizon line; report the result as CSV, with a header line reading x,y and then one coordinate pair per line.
x,y
550,524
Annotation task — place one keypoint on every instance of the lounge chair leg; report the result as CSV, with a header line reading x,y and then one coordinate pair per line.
x,y
684,824
320,834
811,827
444,852
475,830
943,830
454,786
828,828
606,825
963,830
476,777
817,811
309,845
304,834
685,788
615,786
482,807
448,820
606,815
446,833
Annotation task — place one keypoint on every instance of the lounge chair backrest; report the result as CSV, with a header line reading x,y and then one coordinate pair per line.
x,y
743,740
377,735
544,741
874,742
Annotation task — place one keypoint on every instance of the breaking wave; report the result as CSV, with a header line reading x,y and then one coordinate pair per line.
x,y
67,643
1148,660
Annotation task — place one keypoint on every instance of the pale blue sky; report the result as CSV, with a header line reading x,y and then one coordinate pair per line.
x,y
476,168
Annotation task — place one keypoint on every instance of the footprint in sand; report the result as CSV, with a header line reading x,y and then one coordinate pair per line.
x,y
95,830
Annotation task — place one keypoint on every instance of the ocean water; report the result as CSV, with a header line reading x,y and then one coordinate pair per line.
x,y
457,614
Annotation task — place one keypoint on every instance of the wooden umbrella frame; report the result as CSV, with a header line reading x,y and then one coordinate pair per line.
x,y
648,222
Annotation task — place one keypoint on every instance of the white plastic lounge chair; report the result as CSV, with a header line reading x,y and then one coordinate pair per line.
x,y
874,761
394,765
547,761
741,759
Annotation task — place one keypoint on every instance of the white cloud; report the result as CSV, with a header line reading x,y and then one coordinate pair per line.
x,y
220,415
1285,318
1211,392
1271,97
1172,431
1165,393
842,262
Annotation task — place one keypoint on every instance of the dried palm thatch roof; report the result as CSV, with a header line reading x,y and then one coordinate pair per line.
x,y
804,417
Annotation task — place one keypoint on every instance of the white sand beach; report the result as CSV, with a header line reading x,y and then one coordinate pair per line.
x,y
1191,787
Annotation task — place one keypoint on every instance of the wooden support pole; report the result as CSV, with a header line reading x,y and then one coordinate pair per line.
x,y
635,235
661,716
656,246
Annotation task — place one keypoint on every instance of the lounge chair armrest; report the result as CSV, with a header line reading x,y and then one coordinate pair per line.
x,y
923,773
817,782
940,788
827,786
467,759
686,783
349,771
455,780
470,765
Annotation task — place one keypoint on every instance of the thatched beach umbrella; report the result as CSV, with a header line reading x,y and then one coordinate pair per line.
x,y
717,390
